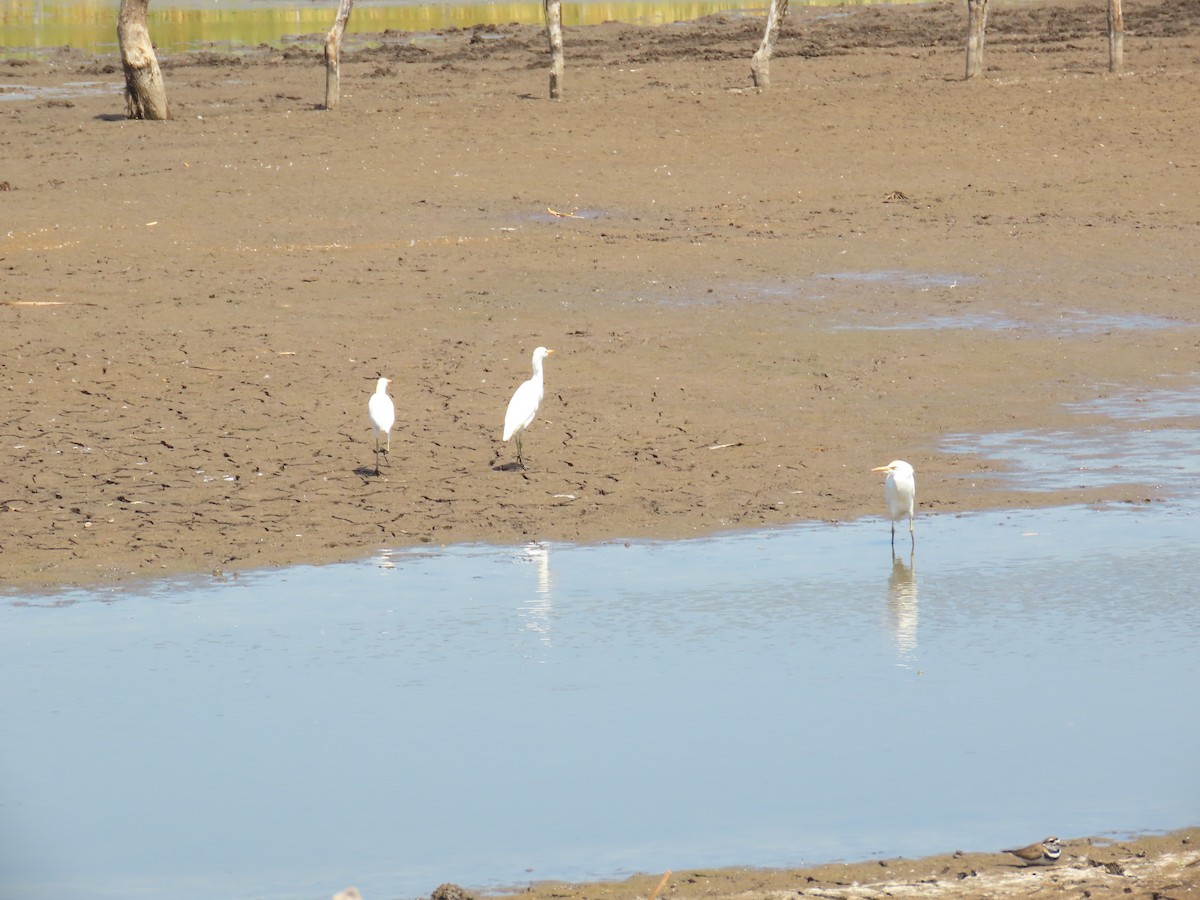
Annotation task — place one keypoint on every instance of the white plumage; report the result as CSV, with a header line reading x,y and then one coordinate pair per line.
x,y
900,489
523,407
383,416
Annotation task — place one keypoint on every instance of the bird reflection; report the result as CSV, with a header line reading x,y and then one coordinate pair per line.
x,y
537,609
902,607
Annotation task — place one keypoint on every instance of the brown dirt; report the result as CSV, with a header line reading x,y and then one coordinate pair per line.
x,y
1160,867
193,313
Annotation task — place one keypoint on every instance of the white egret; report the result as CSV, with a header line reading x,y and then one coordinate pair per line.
x,y
523,407
383,416
900,488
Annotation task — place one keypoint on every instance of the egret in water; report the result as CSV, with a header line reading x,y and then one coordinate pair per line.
x,y
900,488
523,407
383,416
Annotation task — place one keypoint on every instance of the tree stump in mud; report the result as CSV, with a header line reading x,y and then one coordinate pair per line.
x,y
333,54
145,95
760,62
977,11
553,9
1116,36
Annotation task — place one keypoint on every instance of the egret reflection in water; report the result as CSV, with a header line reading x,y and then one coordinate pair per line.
x,y
537,607
902,607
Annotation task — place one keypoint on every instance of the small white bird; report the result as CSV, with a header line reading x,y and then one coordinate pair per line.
x,y
523,407
900,488
1043,854
383,416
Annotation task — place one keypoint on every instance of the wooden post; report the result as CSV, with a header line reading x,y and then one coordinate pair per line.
x,y
333,54
760,62
1116,36
553,10
145,95
977,11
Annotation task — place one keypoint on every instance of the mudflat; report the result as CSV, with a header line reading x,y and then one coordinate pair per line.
x,y
753,298
1152,866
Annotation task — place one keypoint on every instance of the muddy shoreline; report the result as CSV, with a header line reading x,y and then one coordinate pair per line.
x,y
755,299
1158,866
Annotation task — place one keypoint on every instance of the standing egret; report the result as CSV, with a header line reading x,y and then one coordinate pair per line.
x,y
523,407
383,416
900,488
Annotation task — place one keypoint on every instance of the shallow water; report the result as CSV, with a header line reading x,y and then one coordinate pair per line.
x,y
490,715
971,315
1148,405
1128,441
1101,456
1067,324
66,91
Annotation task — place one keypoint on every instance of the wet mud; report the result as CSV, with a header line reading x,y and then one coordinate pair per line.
x,y
754,298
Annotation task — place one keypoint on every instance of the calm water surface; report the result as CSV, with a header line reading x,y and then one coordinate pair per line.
x,y
1129,440
489,715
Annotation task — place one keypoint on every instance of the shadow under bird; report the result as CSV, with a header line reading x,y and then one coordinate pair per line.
x,y
900,489
523,407
383,416
1040,854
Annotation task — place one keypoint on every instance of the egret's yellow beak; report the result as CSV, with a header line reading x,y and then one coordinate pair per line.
x,y
882,469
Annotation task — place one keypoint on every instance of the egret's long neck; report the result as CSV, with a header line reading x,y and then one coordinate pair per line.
x,y
537,371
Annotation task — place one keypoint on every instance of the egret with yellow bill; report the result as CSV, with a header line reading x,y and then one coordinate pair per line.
x,y
523,407
900,489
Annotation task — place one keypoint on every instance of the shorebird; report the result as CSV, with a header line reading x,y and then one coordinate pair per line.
x,y
1043,854
383,416
523,407
900,488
